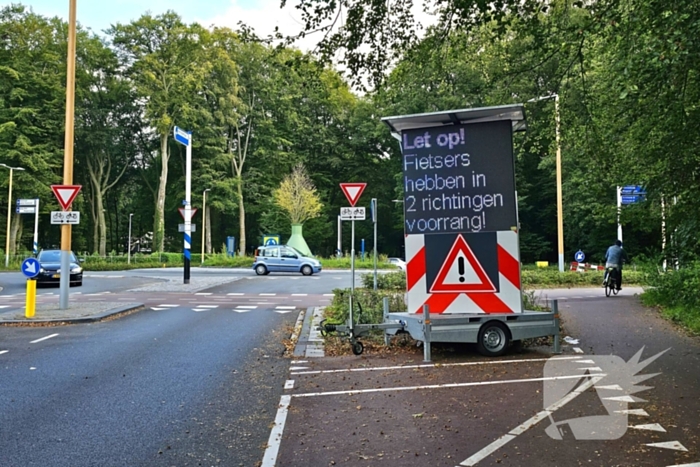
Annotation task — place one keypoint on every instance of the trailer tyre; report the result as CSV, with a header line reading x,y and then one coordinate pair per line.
x,y
493,339
358,348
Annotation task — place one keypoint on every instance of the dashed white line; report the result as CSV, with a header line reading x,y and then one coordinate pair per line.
x,y
289,384
158,308
3,351
235,293
43,338
208,306
273,443
285,307
247,307
300,295
203,293
267,294
169,306
328,295
4,306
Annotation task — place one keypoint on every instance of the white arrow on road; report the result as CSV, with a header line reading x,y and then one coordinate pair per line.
x,y
30,267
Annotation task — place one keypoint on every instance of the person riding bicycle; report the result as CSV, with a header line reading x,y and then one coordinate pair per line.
x,y
614,258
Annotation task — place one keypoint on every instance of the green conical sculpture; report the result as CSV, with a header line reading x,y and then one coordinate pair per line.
x,y
297,240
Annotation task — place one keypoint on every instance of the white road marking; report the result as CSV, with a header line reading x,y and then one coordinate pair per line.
x,y
3,351
157,308
577,350
694,464
593,368
267,294
169,306
546,413
273,443
43,338
621,399
282,312
300,295
289,384
235,293
4,306
208,306
297,362
328,295
295,368
285,307
203,293
595,378
649,426
237,310
197,310
247,307
434,365
675,445
640,412
584,361
611,387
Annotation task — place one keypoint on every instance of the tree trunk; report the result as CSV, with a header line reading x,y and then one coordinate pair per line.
x,y
95,223
15,233
159,216
241,215
207,245
102,225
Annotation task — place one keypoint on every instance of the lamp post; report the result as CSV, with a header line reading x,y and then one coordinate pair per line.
x,y
9,214
204,220
560,214
128,247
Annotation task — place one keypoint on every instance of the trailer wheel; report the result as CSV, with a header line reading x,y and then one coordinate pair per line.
x,y
357,348
493,339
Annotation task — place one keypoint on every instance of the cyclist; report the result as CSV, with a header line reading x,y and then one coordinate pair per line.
x,y
614,258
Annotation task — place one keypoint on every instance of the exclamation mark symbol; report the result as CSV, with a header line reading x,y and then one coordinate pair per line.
x,y
461,134
460,266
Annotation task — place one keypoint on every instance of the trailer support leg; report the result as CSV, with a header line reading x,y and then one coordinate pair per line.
x,y
557,337
426,333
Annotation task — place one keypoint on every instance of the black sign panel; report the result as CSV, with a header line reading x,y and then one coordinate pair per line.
x,y
459,179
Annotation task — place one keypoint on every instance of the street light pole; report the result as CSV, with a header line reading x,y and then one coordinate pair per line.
x,y
204,220
560,210
9,214
128,247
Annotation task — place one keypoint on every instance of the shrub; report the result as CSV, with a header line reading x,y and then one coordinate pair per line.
x,y
395,281
370,301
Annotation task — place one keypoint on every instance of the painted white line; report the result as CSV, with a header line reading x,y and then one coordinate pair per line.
x,y
203,293
546,413
297,362
328,295
298,368
158,309
169,306
43,338
300,295
649,426
584,361
208,306
273,443
246,307
4,306
675,445
449,385
621,399
289,384
267,294
592,368
282,312
241,311
434,365
285,307
611,387
694,464
640,412
235,293
3,351
197,310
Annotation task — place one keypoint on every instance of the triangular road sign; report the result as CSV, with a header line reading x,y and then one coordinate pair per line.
x,y
66,194
461,272
353,191
182,212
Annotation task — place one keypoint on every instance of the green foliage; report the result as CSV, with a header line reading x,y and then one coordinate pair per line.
x,y
676,291
395,281
370,303
552,278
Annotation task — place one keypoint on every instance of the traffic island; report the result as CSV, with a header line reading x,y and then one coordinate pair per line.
x,y
50,314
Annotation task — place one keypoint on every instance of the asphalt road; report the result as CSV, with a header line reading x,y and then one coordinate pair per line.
x,y
169,387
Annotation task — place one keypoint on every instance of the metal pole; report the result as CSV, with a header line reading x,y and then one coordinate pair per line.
x,y
35,245
426,334
557,338
188,209
385,313
619,211
128,247
9,214
68,154
560,213
376,218
340,237
204,221
352,257
663,231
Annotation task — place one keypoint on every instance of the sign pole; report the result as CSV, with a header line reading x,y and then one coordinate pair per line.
x,y
340,238
68,155
352,257
619,209
9,217
188,210
374,219
36,227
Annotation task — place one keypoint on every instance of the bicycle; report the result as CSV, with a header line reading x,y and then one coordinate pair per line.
x,y
610,281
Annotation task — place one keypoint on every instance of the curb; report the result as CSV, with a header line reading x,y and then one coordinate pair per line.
x,y
114,312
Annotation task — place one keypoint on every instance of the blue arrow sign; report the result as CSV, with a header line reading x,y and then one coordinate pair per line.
x,y
580,256
631,199
633,190
182,136
30,267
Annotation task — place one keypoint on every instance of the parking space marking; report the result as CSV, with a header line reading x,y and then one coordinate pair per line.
x,y
596,377
43,338
273,443
289,384
433,365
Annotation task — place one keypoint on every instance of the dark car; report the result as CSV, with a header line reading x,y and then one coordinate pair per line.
x,y
50,270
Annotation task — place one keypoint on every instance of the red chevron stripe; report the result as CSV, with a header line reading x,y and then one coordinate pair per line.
x,y
415,269
439,302
508,266
489,303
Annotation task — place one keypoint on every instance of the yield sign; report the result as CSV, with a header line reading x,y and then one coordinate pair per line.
x,y
353,191
182,213
66,194
461,272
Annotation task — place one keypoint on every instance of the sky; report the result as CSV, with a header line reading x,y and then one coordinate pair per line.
x,y
98,15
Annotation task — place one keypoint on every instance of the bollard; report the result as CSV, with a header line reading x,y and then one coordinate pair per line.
x,y
557,342
426,333
385,309
30,304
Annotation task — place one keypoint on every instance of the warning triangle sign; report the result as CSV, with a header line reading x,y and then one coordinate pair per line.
x,y
461,272
353,191
66,194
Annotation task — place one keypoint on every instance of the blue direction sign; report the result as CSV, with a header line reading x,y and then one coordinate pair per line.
x,y
182,136
30,267
633,190
580,256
